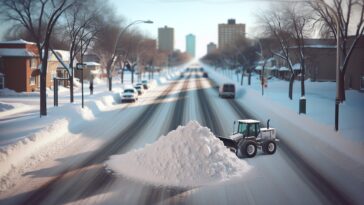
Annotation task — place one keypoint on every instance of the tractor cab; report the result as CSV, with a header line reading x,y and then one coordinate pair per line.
x,y
247,128
248,136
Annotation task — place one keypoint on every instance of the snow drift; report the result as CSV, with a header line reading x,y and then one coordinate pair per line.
x,y
189,156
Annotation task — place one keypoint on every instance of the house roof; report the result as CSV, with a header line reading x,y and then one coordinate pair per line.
x,y
296,66
19,41
63,54
283,69
92,63
16,52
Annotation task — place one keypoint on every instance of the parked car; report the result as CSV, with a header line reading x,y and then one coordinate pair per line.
x,y
139,88
227,90
145,84
129,95
205,75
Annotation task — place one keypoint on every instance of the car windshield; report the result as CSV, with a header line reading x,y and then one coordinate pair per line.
x,y
144,81
229,88
129,91
137,87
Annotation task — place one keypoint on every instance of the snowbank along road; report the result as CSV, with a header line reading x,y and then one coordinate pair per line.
x,y
283,178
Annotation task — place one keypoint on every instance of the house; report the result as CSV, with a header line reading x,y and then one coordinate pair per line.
x,y
56,69
93,67
92,70
19,61
320,62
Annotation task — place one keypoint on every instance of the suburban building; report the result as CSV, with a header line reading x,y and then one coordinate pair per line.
x,y
166,39
320,62
91,71
229,33
211,47
56,69
191,45
19,62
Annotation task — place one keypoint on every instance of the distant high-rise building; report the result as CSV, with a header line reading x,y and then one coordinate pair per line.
x,y
211,47
166,39
191,45
230,32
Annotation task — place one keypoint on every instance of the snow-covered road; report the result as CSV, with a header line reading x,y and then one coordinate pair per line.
x,y
77,175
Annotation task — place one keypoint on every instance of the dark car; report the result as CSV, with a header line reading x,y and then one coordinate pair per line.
x,y
227,90
145,84
205,75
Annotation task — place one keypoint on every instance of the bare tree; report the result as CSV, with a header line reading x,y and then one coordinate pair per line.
x,y
106,42
37,16
276,25
350,16
82,25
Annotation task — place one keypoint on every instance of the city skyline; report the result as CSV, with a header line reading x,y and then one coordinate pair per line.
x,y
200,17
191,45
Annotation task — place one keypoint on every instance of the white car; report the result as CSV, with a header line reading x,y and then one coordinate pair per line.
x,y
129,95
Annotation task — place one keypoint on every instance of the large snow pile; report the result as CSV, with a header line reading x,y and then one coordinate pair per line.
x,y
189,156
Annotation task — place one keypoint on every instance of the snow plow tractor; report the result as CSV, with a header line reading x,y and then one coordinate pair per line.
x,y
247,137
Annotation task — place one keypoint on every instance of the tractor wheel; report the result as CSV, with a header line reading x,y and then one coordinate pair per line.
x,y
248,149
269,147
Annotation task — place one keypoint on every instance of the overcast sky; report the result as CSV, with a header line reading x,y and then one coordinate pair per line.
x,y
199,17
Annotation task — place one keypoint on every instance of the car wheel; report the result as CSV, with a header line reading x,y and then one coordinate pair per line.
x,y
248,149
269,147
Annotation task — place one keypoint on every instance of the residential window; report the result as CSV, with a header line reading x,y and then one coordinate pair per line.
x,y
2,81
32,80
33,63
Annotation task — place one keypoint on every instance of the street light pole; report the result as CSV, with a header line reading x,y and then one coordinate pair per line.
x,y
338,98
109,64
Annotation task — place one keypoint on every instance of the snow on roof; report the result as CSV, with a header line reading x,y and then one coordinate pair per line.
x,y
19,41
283,69
249,121
272,68
16,52
63,54
296,66
270,59
320,46
92,63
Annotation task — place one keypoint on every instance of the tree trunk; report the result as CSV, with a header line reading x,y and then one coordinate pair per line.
x,y
242,78
110,83
342,96
290,90
303,90
122,76
249,78
43,86
132,76
71,88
